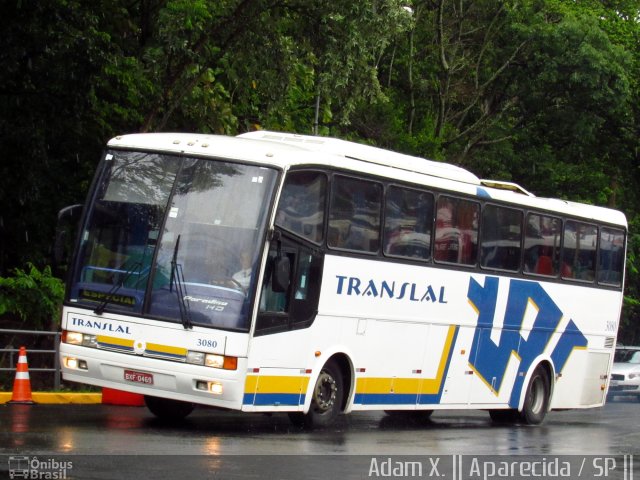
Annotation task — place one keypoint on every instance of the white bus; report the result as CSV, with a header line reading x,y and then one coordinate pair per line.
x,y
274,272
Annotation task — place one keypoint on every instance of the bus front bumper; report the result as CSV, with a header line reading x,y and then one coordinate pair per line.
x,y
155,377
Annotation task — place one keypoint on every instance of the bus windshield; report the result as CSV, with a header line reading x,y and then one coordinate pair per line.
x,y
166,233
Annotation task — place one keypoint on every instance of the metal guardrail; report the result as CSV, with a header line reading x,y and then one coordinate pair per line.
x,y
56,358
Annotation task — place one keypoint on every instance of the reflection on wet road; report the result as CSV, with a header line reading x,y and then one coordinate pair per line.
x,y
79,429
106,442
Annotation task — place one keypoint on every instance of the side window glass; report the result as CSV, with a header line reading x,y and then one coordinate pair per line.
x,y
579,251
408,223
501,238
354,215
271,299
542,245
456,231
611,260
306,295
301,208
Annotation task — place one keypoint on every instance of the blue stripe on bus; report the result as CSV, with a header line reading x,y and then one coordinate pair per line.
x,y
482,193
432,399
164,354
112,346
276,399
570,339
386,398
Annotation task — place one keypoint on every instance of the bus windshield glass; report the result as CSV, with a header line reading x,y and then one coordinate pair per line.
x,y
166,233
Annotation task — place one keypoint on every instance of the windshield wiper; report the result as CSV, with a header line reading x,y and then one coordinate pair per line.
x,y
177,278
99,310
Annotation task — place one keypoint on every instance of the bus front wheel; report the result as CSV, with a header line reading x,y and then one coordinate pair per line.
x,y
326,400
167,409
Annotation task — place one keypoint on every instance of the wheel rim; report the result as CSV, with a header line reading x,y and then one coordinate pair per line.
x,y
325,392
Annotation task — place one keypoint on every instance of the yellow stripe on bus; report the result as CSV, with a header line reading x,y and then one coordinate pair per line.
x,y
166,349
275,384
122,342
423,386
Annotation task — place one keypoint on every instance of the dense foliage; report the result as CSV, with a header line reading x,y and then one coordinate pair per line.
x,y
32,297
541,92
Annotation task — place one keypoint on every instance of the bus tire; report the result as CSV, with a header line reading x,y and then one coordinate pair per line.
x,y
536,399
167,409
326,399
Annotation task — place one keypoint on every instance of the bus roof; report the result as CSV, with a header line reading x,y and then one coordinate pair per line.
x,y
370,154
283,150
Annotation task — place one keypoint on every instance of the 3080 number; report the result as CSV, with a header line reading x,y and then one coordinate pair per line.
x,y
203,342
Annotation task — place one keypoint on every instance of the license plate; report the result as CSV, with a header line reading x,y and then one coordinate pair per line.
x,y
138,377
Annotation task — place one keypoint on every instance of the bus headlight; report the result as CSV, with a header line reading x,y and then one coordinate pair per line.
x,y
215,361
221,361
211,387
71,362
75,364
77,338
212,360
196,358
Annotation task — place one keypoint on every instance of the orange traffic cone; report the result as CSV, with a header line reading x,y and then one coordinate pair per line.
x,y
22,384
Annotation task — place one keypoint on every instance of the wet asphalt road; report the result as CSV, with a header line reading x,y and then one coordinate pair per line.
x,y
128,442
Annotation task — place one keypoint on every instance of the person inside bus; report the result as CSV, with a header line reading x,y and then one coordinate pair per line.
x,y
446,244
545,264
243,276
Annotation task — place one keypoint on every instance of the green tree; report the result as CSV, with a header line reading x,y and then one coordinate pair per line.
x,y
50,52
542,92
32,297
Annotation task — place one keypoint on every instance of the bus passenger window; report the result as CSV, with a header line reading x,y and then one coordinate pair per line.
x,y
542,245
456,231
579,251
301,208
354,215
501,234
408,223
611,259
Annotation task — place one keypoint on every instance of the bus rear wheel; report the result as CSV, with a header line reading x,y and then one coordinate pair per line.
x,y
167,409
536,400
326,400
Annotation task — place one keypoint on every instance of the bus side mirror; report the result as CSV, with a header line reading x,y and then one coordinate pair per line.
x,y
281,277
66,229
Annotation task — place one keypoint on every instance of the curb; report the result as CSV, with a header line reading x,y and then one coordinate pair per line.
x,y
58,397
